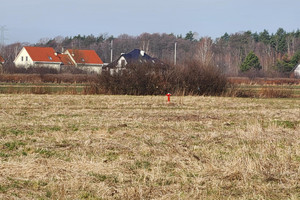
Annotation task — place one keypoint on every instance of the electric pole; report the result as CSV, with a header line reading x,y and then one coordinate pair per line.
x,y
175,52
2,35
111,50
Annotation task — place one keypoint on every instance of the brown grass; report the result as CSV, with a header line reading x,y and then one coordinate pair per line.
x,y
135,147
264,81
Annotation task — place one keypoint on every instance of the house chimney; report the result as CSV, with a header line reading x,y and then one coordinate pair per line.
x,y
142,53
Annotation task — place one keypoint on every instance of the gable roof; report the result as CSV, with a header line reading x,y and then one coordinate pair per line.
x,y
42,54
136,55
85,56
2,60
65,59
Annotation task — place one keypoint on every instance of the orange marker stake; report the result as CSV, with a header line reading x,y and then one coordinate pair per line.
x,y
168,95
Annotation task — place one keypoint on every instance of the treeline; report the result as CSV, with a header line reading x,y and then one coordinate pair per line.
x,y
277,52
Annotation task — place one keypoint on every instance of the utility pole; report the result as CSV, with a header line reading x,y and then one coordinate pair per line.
x,y
2,35
175,52
111,50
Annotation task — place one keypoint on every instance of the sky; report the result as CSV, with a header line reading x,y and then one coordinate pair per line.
x,y
32,20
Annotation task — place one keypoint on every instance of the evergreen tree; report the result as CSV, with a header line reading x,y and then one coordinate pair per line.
x,y
278,41
251,61
225,37
189,36
265,37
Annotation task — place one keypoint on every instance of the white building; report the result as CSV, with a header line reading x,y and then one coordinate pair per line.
x,y
38,57
86,60
297,71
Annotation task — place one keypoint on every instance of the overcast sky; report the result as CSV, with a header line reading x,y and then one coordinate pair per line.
x,y
32,20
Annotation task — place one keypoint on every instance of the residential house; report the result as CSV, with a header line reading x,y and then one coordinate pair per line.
x,y
133,57
65,60
1,64
38,57
1,60
87,60
296,71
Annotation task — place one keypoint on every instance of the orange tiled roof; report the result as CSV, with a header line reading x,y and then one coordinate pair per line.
x,y
65,59
85,56
42,54
2,60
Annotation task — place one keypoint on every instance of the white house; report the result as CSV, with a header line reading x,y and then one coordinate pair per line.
x,y
136,56
1,64
87,60
297,71
1,60
38,57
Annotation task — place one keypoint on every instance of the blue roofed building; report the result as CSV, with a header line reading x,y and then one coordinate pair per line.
x,y
136,56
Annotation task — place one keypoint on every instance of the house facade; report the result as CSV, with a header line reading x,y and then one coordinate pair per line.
x,y
86,60
38,57
136,56
1,64
297,71
1,60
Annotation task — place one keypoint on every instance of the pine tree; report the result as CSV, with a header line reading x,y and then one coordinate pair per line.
x,y
251,61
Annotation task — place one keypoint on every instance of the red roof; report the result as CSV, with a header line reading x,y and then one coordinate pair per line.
x,y
65,59
85,56
2,60
43,54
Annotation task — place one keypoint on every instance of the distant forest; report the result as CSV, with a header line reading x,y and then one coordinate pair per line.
x,y
277,52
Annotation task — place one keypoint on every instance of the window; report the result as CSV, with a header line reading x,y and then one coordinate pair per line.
x,y
26,58
50,58
22,59
122,63
82,59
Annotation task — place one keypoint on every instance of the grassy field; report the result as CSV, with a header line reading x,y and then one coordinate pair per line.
x,y
245,90
140,147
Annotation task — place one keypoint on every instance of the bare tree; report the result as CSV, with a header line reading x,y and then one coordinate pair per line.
x,y
204,53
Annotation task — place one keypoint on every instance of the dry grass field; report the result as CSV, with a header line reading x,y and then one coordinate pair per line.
x,y
140,147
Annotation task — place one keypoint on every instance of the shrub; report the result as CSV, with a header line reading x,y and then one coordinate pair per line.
x,y
195,78
148,79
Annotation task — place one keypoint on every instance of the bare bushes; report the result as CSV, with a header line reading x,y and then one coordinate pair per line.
x,y
143,79
194,78
11,69
147,79
48,78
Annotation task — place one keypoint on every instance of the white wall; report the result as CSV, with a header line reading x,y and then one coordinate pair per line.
x,y
91,68
47,65
297,71
122,59
23,59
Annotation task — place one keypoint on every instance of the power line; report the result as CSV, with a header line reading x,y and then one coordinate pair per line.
x,y
2,35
